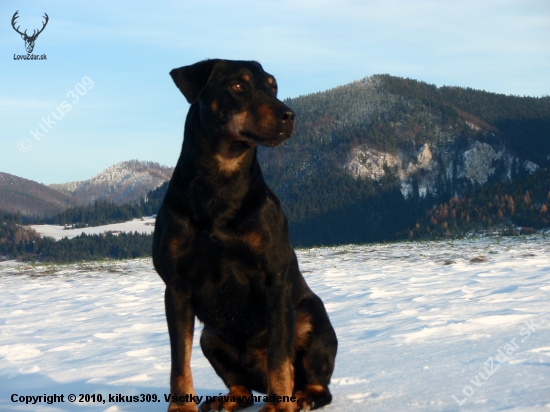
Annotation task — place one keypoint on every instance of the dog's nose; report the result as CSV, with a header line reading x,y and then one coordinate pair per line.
x,y
285,114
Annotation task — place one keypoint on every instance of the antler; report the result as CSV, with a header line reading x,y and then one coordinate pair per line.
x,y
15,16
34,33
44,25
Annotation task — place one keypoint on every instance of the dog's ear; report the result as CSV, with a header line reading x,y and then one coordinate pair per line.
x,y
192,79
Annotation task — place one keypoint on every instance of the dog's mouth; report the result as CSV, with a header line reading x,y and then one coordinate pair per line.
x,y
243,143
272,141
266,127
247,137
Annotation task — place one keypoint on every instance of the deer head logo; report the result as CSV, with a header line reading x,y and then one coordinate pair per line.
x,y
29,40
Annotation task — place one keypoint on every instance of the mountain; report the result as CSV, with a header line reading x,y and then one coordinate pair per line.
x,y
368,158
125,182
29,198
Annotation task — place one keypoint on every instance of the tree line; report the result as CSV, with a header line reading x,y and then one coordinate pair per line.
x,y
500,207
24,244
103,212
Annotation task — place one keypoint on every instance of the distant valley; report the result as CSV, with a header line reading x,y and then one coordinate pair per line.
x,y
125,182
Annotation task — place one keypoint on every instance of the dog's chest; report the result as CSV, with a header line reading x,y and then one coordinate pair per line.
x,y
230,303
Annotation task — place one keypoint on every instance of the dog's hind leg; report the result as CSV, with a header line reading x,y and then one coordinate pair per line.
x,y
240,377
316,346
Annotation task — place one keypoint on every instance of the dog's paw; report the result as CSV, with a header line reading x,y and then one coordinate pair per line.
x,y
313,397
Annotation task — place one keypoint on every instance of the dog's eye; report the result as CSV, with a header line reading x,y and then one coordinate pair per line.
x,y
274,89
237,87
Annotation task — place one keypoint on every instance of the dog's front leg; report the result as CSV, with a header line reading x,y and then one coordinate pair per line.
x,y
181,324
280,357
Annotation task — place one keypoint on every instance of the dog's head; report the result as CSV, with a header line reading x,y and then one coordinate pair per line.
x,y
237,99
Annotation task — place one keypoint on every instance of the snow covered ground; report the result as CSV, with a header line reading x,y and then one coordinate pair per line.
x,y
439,326
145,225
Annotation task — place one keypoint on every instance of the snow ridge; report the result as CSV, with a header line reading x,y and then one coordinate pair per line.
x,y
124,182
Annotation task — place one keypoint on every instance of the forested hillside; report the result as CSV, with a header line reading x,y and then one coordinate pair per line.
x,y
369,158
29,198
503,207
522,122
379,159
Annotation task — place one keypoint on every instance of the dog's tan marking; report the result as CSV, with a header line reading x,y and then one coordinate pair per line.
x,y
229,162
266,110
280,381
306,398
271,80
245,77
315,388
238,123
182,384
266,116
302,330
255,240
240,120
239,390
228,165
214,106
175,245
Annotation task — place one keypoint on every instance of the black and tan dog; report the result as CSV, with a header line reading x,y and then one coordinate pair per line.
x,y
221,245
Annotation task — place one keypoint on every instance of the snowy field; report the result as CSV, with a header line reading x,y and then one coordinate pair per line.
x,y
441,326
145,225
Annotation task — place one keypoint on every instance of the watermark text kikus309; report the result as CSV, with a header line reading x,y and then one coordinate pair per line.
x,y
47,123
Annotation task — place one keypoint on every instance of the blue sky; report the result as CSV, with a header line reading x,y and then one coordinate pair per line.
x,y
133,110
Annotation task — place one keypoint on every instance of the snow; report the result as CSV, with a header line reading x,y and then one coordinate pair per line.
x,y
144,225
421,327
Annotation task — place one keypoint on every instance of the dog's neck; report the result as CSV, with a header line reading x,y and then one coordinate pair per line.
x,y
216,175
214,154
222,159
